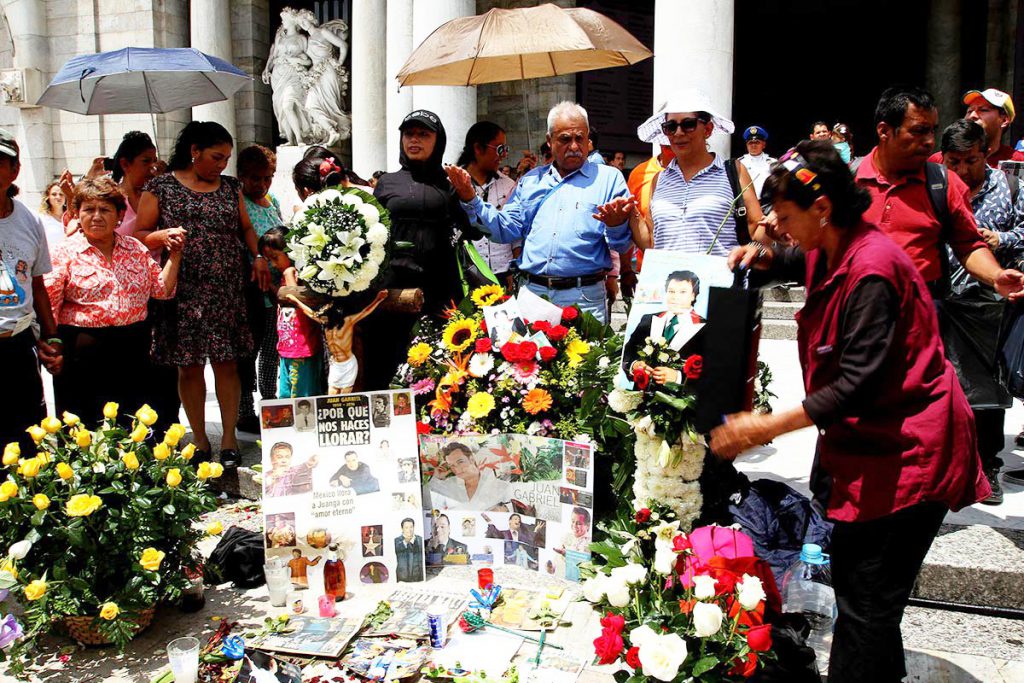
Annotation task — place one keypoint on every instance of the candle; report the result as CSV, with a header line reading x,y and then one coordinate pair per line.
x,y
327,605
485,578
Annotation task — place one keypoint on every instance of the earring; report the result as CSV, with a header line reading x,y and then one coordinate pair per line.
x,y
194,159
824,222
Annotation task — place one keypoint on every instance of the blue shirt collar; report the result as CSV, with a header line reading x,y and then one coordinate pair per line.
x,y
588,169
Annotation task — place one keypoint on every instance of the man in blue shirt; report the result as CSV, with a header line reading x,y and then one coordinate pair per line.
x,y
570,215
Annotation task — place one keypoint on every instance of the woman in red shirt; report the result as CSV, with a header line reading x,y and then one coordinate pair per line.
x,y
896,447
100,288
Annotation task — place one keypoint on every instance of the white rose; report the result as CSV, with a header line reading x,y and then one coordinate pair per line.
x,y
707,619
641,634
703,587
631,573
648,350
20,549
377,235
603,362
617,591
594,588
371,216
661,656
750,592
664,561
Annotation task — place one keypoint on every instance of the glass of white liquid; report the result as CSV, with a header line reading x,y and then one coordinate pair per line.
x,y
183,654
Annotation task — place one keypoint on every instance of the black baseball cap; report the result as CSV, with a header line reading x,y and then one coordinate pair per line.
x,y
423,118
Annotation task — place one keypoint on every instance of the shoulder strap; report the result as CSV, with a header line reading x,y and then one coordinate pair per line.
x,y
740,212
937,181
1014,183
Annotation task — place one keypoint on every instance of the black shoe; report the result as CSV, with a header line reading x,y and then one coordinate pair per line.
x,y
201,456
250,424
1020,439
1014,476
230,458
996,498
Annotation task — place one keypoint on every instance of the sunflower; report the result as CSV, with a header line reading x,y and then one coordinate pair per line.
x,y
487,295
459,334
536,400
418,354
480,405
575,351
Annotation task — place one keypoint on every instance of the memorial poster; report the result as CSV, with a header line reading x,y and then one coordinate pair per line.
x,y
508,499
341,478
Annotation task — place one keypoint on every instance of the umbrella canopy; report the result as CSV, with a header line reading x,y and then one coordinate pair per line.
x,y
140,80
531,42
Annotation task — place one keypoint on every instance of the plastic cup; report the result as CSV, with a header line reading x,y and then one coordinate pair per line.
x,y
485,578
278,591
183,654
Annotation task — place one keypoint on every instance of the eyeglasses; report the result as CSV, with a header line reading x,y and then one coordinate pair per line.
x,y
502,150
688,125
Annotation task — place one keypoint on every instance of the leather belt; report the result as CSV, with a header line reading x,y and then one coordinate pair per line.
x,y
564,282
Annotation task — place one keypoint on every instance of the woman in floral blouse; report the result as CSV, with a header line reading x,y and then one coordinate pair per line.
x,y
99,289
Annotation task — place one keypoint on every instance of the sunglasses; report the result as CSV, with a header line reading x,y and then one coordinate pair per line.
x,y
688,125
502,150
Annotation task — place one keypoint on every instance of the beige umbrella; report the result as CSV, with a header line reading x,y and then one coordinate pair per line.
x,y
515,44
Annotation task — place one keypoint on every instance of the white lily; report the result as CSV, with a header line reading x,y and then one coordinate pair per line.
x,y
317,237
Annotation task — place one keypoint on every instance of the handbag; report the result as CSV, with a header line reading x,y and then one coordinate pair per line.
x,y
473,268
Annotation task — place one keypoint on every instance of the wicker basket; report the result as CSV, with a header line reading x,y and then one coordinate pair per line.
x,y
82,630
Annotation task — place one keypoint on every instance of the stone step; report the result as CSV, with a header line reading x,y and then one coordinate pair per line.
x,y
780,310
975,565
784,293
778,329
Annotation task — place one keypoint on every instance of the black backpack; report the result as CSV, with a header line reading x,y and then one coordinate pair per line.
x,y
238,558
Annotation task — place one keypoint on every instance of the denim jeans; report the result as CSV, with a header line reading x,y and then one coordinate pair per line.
x,y
589,298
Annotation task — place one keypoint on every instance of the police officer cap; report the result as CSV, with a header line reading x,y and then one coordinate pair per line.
x,y
755,132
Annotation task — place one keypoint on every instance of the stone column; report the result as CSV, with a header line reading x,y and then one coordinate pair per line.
x,y
210,27
369,83
942,70
399,47
455,105
694,49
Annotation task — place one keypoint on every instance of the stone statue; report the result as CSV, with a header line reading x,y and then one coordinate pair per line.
x,y
309,82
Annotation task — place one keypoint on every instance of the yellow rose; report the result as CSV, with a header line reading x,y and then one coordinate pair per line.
x,y
204,471
173,477
50,424
35,590
188,451
82,505
161,451
130,460
8,566
174,434
146,415
140,433
151,559
41,501
43,457
109,611
70,419
418,354
216,469
12,452
110,410
64,471
83,438
8,489
37,433
214,528
29,468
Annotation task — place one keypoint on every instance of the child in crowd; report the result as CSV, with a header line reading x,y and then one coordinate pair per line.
x,y
256,168
298,343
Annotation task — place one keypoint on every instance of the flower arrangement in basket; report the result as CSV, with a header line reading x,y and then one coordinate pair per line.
x,y
465,383
680,607
100,527
339,242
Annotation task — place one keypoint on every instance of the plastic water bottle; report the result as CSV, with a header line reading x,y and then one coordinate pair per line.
x,y
807,590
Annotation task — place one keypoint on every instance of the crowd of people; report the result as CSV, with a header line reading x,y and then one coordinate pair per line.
x,y
127,284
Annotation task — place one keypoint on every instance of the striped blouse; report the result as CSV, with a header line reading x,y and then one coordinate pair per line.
x,y
687,215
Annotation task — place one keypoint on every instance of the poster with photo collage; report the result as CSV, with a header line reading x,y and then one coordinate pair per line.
x,y
341,475
508,499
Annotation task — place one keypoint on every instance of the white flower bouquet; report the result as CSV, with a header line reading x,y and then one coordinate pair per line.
x,y
339,243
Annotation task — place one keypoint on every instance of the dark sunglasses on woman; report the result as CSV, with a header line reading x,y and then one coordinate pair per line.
x,y
688,125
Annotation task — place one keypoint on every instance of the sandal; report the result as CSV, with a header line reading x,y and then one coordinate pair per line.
x,y
230,458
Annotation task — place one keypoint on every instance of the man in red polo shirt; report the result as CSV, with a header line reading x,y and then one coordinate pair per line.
x,y
906,121
994,110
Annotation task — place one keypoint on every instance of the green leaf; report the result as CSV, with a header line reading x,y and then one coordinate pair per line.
x,y
704,665
675,402
106,491
77,538
38,517
168,509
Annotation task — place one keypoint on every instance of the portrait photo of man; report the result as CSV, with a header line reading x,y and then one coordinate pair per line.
x,y
305,418
442,548
381,412
284,478
355,475
468,487
409,553
679,325
531,534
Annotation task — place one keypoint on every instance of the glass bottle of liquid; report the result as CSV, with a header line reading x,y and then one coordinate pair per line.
x,y
334,573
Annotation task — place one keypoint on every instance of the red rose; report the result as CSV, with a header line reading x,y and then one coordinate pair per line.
x,y
506,298
643,516
483,345
615,622
745,667
726,581
570,313
548,353
641,379
608,646
541,326
693,366
510,352
759,638
527,350
558,332
422,428
633,658
681,543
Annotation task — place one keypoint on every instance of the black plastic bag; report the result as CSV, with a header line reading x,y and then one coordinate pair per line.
x,y
238,558
1013,354
974,326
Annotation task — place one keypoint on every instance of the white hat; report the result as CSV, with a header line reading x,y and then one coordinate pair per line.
x,y
685,100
